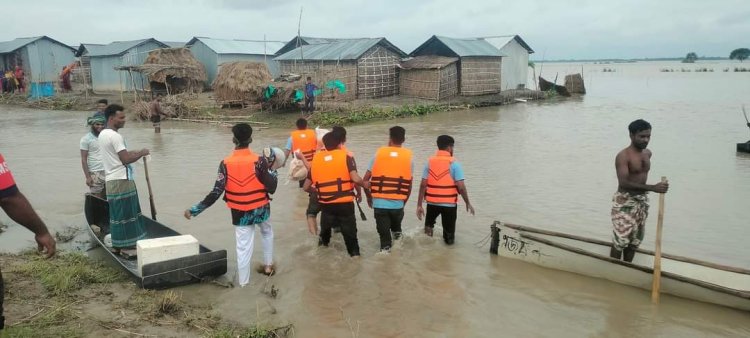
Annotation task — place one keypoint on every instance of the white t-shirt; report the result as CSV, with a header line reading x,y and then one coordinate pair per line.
x,y
90,143
111,143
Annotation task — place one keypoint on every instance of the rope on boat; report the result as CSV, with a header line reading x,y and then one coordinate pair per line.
x,y
482,242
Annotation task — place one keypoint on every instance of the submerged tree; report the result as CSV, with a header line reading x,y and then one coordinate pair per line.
x,y
690,58
739,54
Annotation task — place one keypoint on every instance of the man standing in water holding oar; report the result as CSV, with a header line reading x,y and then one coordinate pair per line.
x,y
630,202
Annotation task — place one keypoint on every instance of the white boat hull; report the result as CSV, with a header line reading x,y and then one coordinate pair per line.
x,y
688,280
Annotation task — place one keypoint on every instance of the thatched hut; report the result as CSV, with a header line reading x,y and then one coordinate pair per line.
x,y
244,82
479,63
429,77
173,70
366,68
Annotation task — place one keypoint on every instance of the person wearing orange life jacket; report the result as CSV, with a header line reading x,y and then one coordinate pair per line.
x,y
340,133
306,141
442,182
246,181
333,175
302,139
389,179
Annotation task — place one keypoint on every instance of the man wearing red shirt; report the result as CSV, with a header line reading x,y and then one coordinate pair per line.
x,y
18,208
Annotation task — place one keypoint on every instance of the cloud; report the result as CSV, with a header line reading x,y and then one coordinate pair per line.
x,y
556,29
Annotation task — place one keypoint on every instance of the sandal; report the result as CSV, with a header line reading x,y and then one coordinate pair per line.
x,y
128,253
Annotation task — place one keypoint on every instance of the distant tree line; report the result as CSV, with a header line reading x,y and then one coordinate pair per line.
x,y
739,54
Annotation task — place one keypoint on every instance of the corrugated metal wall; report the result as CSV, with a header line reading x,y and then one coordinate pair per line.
x,y
515,67
208,58
44,60
105,77
273,66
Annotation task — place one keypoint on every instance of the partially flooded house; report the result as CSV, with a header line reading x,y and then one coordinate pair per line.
x,y
515,66
347,68
479,62
41,58
102,61
212,53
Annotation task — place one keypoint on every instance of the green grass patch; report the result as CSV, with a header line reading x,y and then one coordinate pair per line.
x,y
53,321
155,303
67,272
347,116
251,332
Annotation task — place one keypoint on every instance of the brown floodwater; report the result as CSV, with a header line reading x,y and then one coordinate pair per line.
x,y
546,164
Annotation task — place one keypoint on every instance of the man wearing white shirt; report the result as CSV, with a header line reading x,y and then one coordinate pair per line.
x,y
93,169
126,225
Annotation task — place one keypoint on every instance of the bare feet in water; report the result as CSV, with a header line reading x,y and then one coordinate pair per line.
x,y
428,231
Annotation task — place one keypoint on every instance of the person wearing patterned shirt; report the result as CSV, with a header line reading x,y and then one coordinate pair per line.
x,y
246,182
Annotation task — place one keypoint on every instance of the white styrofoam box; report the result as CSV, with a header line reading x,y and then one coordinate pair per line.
x,y
165,248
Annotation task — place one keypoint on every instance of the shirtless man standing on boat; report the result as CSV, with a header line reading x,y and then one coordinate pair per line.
x,y
630,202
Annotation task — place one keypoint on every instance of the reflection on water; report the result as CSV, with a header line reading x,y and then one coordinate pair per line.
x,y
548,164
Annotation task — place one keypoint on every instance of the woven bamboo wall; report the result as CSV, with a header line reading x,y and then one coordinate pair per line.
x,y
480,75
421,83
377,73
448,81
324,71
431,84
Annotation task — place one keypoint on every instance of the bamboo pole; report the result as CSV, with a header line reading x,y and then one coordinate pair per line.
x,y
136,98
122,98
150,193
656,285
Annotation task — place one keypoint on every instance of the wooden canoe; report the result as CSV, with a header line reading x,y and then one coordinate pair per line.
x,y
680,276
159,275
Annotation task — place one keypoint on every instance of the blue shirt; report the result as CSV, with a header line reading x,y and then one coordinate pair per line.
x,y
382,203
310,89
457,173
289,143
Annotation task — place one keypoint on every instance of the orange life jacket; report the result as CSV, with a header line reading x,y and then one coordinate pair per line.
x,y
243,191
306,141
343,147
441,188
391,173
331,178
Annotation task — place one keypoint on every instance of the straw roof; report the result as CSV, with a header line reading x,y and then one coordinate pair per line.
x,y
245,81
427,62
174,62
241,76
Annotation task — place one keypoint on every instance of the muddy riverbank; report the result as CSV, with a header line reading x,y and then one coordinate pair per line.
x,y
72,295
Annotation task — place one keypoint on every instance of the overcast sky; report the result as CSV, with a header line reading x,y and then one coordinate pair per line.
x,y
554,29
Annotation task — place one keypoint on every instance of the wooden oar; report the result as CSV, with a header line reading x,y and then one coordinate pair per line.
x,y
657,253
150,193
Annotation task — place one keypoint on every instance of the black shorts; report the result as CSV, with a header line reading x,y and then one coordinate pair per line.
x,y
155,118
313,206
